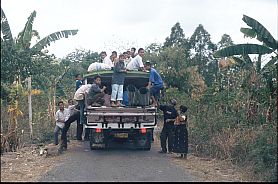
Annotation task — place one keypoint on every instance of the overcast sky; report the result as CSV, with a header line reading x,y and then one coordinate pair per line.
x,y
121,24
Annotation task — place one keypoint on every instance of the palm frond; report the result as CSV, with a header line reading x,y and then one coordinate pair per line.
x,y
45,42
248,32
5,28
24,37
242,49
262,33
269,64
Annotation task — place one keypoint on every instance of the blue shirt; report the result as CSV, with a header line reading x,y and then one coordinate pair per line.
x,y
78,84
155,78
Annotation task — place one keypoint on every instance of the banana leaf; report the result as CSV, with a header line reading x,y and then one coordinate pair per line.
x,y
268,65
262,33
52,38
242,49
248,32
24,37
5,28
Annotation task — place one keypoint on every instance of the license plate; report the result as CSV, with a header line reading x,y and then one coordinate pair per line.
x,y
121,135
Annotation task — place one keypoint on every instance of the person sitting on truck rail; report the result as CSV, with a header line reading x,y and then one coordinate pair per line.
x,y
136,63
155,83
105,59
118,78
96,94
132,52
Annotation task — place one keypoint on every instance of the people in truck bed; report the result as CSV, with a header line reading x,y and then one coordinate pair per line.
x,y
105,59
136,63
132,52
127,58
118,78
114,58
96,94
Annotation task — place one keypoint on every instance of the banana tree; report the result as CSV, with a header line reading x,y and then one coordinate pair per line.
x,y
20,47
239,53
17,53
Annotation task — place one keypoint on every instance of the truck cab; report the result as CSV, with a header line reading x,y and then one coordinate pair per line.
x,y
132,125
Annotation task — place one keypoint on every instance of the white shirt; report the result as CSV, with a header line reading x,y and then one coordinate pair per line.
x,y
127,61
79,94
135,63
61,115
71,109
108,61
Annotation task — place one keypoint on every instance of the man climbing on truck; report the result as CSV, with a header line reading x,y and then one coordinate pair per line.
x,y
155,83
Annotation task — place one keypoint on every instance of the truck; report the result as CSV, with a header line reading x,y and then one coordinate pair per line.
x,y
131,126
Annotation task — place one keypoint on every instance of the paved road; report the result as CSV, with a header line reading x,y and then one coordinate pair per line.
x,y
82,164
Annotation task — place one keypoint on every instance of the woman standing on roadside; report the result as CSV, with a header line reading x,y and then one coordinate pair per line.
x,y
181,133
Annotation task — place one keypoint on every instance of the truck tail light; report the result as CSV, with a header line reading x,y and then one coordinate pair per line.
x,y
143,130
98,130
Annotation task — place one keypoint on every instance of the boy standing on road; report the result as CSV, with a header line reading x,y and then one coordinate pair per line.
x,y
118,79
170,114
61,116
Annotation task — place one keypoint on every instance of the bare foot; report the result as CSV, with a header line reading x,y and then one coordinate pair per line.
x,y
113,104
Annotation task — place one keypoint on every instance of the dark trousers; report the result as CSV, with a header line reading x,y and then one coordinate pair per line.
x,y
167,133
71,119
81,104
79,129
98,98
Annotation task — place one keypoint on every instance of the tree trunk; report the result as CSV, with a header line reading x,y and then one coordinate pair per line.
x,y
30,106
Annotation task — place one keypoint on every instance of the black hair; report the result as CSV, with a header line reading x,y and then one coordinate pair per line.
x,y
140,49
96,77
183,108
77,75
103,52
125,53
133,48
70,100
114,52
60,102
148,63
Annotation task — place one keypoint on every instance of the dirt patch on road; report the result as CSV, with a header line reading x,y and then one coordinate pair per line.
x,y
28,164
212,170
